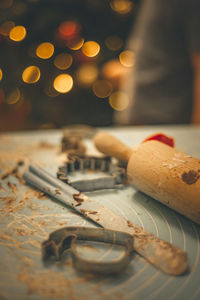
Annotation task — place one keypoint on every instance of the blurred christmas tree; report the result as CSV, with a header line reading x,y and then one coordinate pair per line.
x,y
52,61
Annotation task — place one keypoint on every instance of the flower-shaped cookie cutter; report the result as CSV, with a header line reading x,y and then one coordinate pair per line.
x,y
114,176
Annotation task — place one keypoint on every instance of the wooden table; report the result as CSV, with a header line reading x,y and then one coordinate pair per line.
x,y
27,217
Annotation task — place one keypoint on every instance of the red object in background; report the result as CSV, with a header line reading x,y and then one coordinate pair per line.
x,y
69,30
161,138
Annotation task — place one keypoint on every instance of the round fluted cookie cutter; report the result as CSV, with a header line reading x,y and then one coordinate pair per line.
x,y
114,175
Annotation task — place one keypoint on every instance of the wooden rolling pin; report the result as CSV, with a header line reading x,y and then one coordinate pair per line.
x,y
162,172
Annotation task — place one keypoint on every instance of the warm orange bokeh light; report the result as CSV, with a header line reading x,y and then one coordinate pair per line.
x,y
14,96
31,74
17,33
1,74
102,88
127,58
45,50
63,61
63,83
87,74
121,6
75,44
91,48
119,101
114,71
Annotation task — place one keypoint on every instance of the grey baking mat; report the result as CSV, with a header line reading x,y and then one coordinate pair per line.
x,y
27,218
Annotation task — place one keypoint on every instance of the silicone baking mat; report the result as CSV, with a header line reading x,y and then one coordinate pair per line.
x,y
27,217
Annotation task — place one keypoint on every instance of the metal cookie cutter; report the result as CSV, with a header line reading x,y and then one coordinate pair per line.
x,y
73,136
66,238
114,175
163,255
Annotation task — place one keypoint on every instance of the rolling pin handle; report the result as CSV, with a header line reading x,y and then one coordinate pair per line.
x,y
111,146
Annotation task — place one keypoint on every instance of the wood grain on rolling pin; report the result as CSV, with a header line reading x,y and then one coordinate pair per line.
x,y
167,175
162,172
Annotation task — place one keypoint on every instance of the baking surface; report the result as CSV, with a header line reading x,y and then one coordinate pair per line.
x,y
27,218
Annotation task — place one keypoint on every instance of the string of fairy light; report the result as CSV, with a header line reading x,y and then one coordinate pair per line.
x,y
87,73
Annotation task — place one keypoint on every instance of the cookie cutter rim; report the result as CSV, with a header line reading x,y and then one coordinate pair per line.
x,y
65,238
114,177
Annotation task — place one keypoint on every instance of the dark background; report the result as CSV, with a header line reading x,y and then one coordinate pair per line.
x,y
35,109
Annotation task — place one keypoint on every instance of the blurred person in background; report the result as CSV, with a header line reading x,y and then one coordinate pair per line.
x,y
164,84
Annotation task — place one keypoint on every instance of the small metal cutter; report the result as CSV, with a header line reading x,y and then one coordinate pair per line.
x,y
113,177
66,238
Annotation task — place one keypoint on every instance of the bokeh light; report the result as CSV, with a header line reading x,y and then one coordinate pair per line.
x,y
114,42
122,7
45,50
119,100
75,44
31,74
102,88
91,48
40,43
63,61
17,33
63,83
127,58
87,74
114,71
13,97
6,27
68,30
1,74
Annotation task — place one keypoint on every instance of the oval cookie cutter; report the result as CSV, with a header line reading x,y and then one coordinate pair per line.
x,y
66,238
